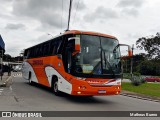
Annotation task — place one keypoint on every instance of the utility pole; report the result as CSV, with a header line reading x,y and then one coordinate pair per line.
x,y
132,61
70,6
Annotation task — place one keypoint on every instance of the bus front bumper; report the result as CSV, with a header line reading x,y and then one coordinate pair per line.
x,y
96,91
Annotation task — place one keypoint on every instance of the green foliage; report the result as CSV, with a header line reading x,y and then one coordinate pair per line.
x,y
137,74
142,65
136,80
143,79
150,67
137,59
151,45
126,75
150,89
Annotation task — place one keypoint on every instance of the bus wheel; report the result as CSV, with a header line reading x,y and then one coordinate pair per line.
x,y
55,86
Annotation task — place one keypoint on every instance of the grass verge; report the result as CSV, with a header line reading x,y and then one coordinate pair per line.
x,y
149,89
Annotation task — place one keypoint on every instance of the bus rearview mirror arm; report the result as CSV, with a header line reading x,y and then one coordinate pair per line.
x,y
77,43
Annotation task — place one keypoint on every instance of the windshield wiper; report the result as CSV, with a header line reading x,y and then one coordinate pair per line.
x,y
107,62
100,64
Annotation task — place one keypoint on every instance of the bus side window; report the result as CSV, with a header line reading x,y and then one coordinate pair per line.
x,y
46,49
37,51
34,52
54,45
40,51
31,53
59,45
53,48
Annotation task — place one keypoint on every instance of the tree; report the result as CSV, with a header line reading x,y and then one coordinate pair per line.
x,y
137,59
151,45
150,67
7,57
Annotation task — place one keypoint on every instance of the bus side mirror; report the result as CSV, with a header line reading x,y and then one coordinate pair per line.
x,y
76,41
129,49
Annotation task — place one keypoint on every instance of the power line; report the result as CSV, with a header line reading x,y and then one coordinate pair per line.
x,y
76,10
62,15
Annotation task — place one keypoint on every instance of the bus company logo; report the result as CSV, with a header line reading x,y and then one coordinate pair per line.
x,y
37,62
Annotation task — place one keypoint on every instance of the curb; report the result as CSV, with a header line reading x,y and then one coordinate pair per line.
x,y
138,97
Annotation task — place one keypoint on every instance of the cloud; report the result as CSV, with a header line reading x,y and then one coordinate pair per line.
x,y
47,12
5,1
130,7
80,3
15,26
101,13
130,11
130,3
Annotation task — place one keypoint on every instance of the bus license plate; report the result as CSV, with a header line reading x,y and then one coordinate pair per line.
x,y
101,91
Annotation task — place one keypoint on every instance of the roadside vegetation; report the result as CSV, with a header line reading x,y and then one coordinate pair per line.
x,y
149,89
147,63
146,68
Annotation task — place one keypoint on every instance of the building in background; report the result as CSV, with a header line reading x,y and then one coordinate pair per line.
x,y
2,50
2,44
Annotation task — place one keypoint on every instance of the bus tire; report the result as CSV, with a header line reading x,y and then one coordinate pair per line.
x,y
29,78
55,86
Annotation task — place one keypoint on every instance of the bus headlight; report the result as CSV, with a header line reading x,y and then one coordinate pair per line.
x,y
80,78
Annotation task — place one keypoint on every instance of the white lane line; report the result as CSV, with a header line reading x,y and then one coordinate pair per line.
x,y
1,90
10,88
17,75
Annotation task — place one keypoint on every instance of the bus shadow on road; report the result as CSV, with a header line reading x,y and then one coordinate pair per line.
x,y
88,100
75,99
41,87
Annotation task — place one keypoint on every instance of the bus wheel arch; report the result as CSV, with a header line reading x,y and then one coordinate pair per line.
x,y
54,85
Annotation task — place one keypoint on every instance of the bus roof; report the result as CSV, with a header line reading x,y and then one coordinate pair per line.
x,y
89,33
77,32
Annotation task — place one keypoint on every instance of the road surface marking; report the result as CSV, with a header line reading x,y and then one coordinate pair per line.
x,y
1,90
17,75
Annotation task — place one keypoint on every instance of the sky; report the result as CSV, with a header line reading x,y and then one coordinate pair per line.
x,y
24,23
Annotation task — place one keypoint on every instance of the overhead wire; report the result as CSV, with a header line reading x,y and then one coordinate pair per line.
x,y
76,11
62,16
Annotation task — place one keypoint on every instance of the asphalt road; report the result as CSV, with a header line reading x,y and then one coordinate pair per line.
x,y
23,97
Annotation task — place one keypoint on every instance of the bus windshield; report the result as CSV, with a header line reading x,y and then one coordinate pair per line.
x,y
97,56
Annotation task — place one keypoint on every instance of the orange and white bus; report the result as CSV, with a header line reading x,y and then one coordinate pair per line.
x,y
77,63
